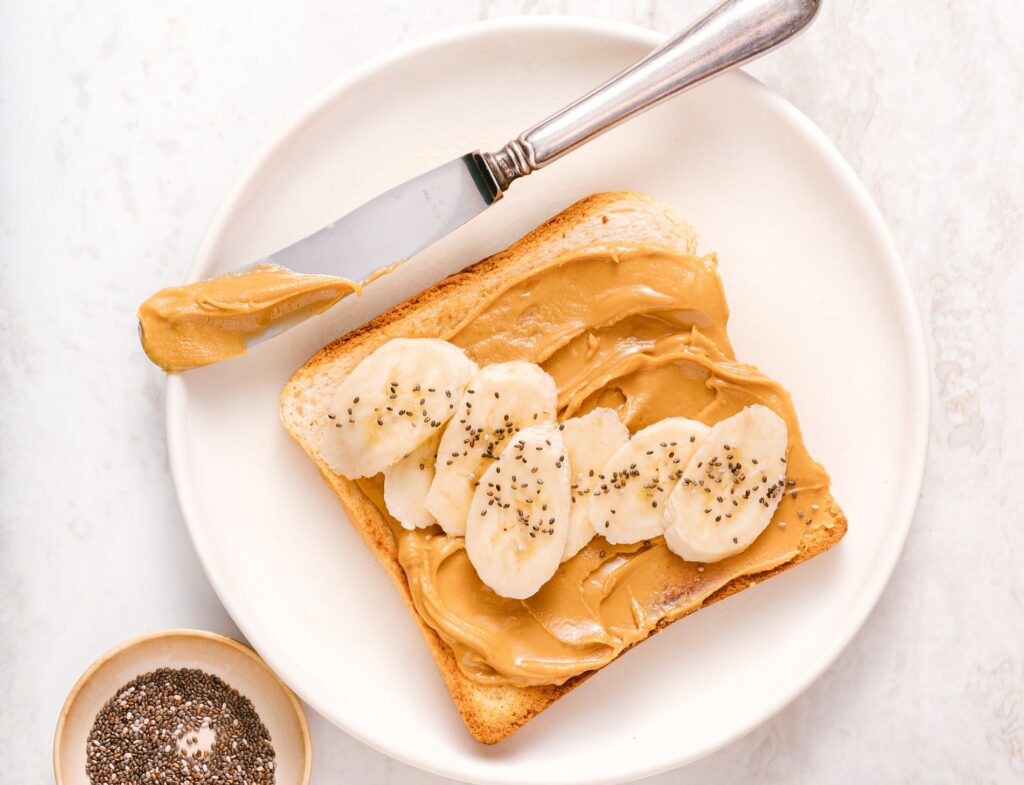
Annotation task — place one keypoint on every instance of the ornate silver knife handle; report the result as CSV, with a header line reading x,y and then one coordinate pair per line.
x,y
732,33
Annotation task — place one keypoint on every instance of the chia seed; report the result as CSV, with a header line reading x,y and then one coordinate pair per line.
x,y
178,726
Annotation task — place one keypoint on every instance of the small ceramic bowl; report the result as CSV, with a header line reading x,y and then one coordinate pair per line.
x,y
236,664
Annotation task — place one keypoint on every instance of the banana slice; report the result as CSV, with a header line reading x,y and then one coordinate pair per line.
x,y
500,400
407,482
392,402
519,516
730,488
589,441
629,501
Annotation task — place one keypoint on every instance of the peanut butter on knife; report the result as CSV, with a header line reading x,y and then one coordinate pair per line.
x,y
184,327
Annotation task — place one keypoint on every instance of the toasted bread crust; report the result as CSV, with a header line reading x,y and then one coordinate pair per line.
x,y
492,712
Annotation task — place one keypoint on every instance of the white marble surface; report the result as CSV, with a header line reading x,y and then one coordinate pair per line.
x,y
123,124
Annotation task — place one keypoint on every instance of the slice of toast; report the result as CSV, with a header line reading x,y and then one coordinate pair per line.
x,y
491,712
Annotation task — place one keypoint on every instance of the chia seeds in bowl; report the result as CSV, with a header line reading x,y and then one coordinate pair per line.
x,y
179,726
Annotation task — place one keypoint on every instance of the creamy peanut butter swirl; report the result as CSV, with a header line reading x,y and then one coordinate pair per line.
x,y
197,324
642,330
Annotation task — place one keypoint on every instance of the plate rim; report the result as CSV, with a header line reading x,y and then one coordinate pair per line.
x,y
919,397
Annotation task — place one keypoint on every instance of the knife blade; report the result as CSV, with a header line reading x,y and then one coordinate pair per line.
x,y
395,225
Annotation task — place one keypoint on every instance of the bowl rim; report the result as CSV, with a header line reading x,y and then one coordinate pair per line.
x,y
186,634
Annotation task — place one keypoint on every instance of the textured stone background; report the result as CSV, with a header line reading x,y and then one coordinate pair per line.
x,y
121,126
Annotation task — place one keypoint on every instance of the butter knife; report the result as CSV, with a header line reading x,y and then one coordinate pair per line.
x,y
397,224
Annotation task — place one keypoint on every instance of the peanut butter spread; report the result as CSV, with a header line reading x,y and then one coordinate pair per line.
x,y
642,330
201,323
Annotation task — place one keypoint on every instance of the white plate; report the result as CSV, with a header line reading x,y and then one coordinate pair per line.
x,y
819,301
